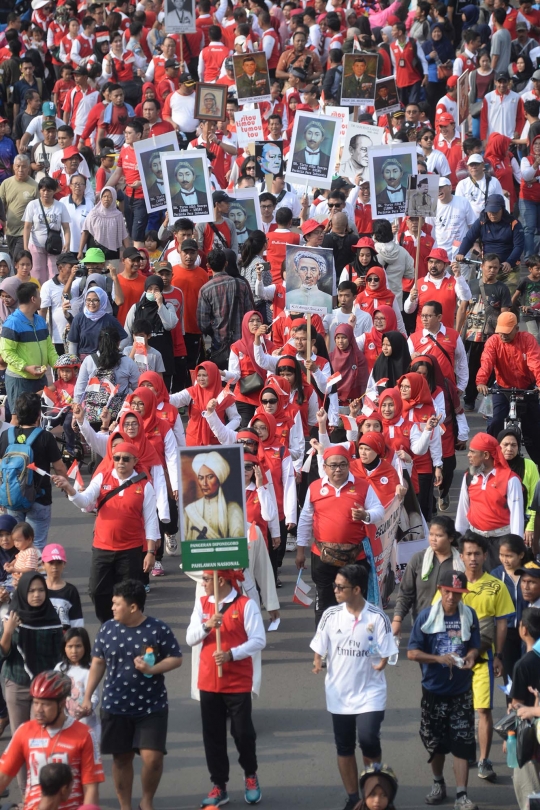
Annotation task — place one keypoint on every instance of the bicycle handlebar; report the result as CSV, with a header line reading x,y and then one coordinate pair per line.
x,y
514,391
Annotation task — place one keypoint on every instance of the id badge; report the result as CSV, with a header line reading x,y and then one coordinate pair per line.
x,y
402,63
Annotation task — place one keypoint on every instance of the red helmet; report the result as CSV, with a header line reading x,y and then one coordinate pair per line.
x,y
51,685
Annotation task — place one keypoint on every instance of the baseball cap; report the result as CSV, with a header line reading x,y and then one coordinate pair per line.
x,y
521,26
398,114
164,266
506,322
48,108
439,254
453,581
189,244
185,78
452,81
96,256
476,158
69,152
7,523
309,226
339,183
4,121
536,76
53,551
502,77
172,63
130,253
229,64
48,125
107,152
494,203
298,73
530,569
220,197
80,71
67,258
444,181
445,119
365,242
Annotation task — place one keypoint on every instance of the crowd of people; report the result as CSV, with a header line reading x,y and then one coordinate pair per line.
x,y
128,336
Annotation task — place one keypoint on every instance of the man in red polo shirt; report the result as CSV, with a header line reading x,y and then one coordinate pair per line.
x,y
189,278
277,241
439,285
134,205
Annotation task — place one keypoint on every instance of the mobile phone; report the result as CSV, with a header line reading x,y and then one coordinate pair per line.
x,y
265,266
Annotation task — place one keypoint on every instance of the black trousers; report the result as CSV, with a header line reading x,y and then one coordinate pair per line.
x,y
246,411
448,468
215,708
474,356
181,378
323,576
277,554
167,528
109,568
193,348
425,496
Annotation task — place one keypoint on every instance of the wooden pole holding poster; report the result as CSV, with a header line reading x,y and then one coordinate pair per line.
x,y
417,260
181,53
308,344
218,631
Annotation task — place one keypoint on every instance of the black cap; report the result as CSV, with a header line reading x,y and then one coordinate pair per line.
x,y
80,71
531,569
67,258
172,63
228,64
502,77
189,244
184,78
220,197
453,581
132,253
340,182
299,73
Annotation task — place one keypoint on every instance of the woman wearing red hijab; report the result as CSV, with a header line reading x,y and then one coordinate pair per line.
x,y
376,294
165,411
260,504
196,398
243,367
279,462
371,466
418,410
384,320
303,395
350,362
275,399
504,166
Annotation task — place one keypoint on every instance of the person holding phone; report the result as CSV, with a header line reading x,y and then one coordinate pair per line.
x,y
251,259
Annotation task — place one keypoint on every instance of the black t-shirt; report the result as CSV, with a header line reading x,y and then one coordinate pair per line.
x,y
67,604
526,673
481,322
46,452
21,125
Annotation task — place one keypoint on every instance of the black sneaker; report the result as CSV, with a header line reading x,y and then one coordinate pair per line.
x,y
485,770
437,794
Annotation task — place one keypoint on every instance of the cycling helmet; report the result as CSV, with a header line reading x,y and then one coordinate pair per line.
x,y
51,685
67,361
377,771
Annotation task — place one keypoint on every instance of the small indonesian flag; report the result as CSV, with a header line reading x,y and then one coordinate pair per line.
x,y
112,395
49,397
306,466
382,382
333,380
224,393
301,590
368,407
349,423
75,474
39,471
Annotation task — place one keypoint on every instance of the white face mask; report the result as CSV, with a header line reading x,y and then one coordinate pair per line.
x,y
150,296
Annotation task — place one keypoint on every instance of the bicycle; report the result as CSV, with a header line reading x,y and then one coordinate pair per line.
x,y
517,397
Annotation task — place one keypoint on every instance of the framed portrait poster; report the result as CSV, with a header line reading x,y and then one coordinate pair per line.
x,y
354,158
210,102
386,96
180,17
148,154
269,158
187,185
359,78
314,147
390,167
251,77
245,212
310,280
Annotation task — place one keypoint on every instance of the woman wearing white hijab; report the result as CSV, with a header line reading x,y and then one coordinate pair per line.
x,y
211,517
88,324
104,227
8,270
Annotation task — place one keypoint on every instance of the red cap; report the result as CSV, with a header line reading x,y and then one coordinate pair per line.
x,y
439,254
452,81
336,450
445,119
309,226
69,152
365,242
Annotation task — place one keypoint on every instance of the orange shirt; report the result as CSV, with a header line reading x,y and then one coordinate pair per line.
x,y
132,288
190,282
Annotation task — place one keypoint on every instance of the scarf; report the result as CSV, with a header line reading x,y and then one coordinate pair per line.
x,y
521,79
472,13
393,367
198,429
435,620
368,299
155,429
5,257
362,269
103,301
395,396
156,381
107,463
427,562
146,453
517,464
43,617
391,326
286,410
98,281
444,48
352,365
489,444
452,401
498,155
106,224
149,310
421,403
246,343
10,285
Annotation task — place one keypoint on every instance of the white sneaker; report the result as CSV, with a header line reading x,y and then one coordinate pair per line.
x,y
171,545
291,543
157,570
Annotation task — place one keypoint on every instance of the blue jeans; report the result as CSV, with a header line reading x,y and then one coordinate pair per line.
x,y
530,215
476,127
15,386
136,218
39,518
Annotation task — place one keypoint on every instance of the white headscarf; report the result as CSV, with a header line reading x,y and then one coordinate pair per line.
x,y
103,301
215,462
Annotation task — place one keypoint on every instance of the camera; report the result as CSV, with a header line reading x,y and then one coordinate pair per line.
x,y
81,271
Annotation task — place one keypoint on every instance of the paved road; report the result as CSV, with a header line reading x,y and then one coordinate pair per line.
x,y
295,745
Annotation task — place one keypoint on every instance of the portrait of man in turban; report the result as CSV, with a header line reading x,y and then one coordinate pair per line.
x,y
211,517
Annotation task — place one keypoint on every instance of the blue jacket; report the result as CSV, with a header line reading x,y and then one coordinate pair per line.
x,y
515,592
505,238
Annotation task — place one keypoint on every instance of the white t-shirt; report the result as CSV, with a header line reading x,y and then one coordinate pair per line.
x,y
56,215
352,685
51,296
451,224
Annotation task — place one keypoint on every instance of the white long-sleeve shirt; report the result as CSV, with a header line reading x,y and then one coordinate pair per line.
x,y
371,504
514,495
177,428
268,504
182,399
253,625
463,291
461,367
88,498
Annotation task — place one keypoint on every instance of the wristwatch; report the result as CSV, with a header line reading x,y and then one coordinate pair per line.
x,y
367,518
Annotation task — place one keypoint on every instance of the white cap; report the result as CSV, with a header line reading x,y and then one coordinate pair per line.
x,y
475,159
161,17
240,40
444,181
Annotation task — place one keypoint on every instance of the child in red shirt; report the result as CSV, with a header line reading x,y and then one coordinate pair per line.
x,y
63,86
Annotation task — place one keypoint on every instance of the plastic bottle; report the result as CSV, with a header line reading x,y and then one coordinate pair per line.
x,y
511,755
150,659
393,659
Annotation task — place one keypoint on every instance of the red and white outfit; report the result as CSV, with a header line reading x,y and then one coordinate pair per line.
x,y
448,291
211,60
503,114
78,104
456,369
446,105
82,49
464,61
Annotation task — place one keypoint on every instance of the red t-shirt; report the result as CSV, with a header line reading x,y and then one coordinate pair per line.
x,y
132,288
128,163
119,119
62,88
209,234
33,746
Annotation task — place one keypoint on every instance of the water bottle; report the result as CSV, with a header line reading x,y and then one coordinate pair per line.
x,y
150,659
511,755
393,659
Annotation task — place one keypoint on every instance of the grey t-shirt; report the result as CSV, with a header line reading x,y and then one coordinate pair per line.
x,y
501,46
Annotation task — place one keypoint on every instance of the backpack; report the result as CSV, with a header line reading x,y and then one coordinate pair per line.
x,y
17,486
101,388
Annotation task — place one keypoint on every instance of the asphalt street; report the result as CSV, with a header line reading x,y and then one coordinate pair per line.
x,y
297,764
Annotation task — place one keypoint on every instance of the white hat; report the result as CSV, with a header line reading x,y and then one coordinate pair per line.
x,y
240,40
215,462
444,181
476,158
39,4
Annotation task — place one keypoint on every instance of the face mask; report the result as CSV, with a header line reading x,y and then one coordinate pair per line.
x,y
150,296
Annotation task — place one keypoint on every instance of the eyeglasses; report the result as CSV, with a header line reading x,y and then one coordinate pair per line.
x,y
131,424
92,301
342,466
340,588
122,458
247,441
335,205
207,579
267,206
249,467
269,401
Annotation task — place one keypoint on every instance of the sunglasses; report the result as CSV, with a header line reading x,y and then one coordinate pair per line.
x,y
249,467
334,205
269,401
122,458
247,441
372,279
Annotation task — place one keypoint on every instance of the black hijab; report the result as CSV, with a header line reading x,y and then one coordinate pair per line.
x,y
43,617
517,464
33,617
393,367
161,338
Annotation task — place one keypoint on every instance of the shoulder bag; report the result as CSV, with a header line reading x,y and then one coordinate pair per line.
x,y
54,241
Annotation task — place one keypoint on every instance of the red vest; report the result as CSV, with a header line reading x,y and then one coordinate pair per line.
x,y
369,305
405,73
426,243
246,368
445,295
168,414
425,345
398,437
510,22
119,523
253,509
202,24
237,675
214,55
488,508
468,63
275,251
531,191
370,350
86,47
274,457
332,519
278,302
362,215
276,49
